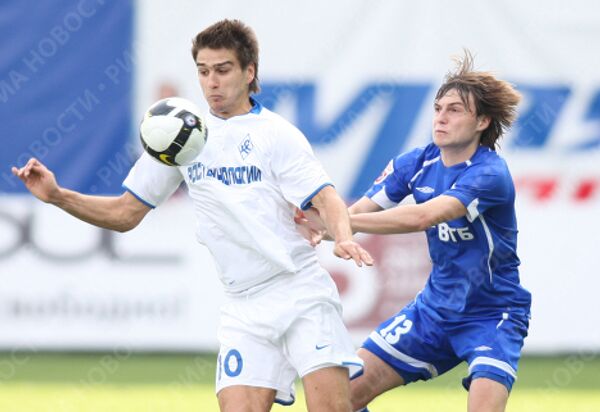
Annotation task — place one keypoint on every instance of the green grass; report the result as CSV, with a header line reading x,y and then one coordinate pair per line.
x,y
173,383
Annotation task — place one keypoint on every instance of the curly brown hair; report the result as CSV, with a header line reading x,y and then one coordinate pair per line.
x,y
492,97
232,35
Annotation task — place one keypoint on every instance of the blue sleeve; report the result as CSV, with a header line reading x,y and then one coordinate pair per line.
x,y
481,188
393,184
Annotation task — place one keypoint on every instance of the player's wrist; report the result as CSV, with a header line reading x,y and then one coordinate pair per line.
x,y
343,240
57,197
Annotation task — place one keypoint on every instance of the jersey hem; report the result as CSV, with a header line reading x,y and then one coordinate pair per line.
x,y
138,197
307,204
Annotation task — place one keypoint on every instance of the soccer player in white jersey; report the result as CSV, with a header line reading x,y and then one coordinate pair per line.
x,y
282,317
473,307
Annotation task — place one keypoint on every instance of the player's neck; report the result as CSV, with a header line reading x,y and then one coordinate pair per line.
x,y
453,155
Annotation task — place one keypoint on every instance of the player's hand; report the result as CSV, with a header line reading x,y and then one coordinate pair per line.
x,y
38,179
308,229
349,249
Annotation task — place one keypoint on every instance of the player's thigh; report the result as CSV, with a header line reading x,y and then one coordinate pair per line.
x,y
377,378
487,395
240,398
413,343
253,363
327,390
318,338
491,347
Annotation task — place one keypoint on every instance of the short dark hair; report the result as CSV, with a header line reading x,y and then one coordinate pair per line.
x,y
492,97
232,35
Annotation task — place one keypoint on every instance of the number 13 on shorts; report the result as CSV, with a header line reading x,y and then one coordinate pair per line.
x,y
398,327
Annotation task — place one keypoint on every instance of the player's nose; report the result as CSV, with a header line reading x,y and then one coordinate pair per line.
x,y
440,117
213,80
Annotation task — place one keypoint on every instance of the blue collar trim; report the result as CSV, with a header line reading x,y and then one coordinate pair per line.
x,y
256,106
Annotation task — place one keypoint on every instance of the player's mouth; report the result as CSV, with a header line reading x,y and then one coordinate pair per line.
x,y
215,98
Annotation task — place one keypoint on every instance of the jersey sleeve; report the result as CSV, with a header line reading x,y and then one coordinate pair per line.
x,y
480,188
151,182
393,184
297,170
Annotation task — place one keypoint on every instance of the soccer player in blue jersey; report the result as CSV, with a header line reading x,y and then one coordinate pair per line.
x,y
473,307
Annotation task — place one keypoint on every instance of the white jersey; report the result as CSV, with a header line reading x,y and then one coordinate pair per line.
x,y
245,184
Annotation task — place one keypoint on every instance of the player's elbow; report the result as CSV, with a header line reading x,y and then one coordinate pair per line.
x,y
127,213
423,221
127,219
127,223
123,227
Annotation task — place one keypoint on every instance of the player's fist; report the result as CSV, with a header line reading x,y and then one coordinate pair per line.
x,y
309,230
38,179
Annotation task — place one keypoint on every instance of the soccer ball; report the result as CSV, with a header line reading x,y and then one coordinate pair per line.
x,y
173,131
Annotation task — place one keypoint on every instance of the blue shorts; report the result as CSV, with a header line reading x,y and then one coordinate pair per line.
x,y
419,345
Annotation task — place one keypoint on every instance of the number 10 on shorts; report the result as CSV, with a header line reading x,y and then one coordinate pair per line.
x,y
398,327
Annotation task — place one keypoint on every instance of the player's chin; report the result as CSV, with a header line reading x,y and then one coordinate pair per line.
x,y
440,139
219,109
217,99
215,106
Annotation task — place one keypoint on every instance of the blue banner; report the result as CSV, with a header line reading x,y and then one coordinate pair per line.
x,y
66,91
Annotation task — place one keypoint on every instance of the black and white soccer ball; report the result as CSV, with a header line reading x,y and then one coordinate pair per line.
x,y
173,131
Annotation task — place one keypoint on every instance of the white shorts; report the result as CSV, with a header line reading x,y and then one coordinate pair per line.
x,y
288,328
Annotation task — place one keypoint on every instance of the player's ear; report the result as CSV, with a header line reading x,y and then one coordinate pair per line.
x,y
250,73
483,122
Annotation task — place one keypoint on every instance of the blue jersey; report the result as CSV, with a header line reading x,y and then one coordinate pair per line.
x,y
475,263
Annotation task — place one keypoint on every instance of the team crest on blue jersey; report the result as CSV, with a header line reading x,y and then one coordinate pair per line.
x,y
388,169
246,147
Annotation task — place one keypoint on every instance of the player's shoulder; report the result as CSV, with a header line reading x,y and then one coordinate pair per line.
x,y
419,156
275,121
489,162
276,129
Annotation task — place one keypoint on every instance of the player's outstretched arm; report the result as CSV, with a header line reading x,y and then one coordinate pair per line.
x,y
120,213
334,214
312,228
409,218
364,205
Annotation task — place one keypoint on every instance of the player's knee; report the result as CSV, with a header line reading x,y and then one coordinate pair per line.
x,y
328,403
340,405
487,395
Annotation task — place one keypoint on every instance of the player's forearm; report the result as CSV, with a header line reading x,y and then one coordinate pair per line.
x,y
336,219
333,213
402,219
409,218
364,205
101,211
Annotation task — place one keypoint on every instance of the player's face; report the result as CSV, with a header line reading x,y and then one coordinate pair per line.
x,y
456,126
224,82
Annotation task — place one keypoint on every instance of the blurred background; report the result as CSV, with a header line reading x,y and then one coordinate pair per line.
x,y
358,78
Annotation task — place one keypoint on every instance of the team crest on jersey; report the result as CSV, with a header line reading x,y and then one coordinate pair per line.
x,y
388,169
246,147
